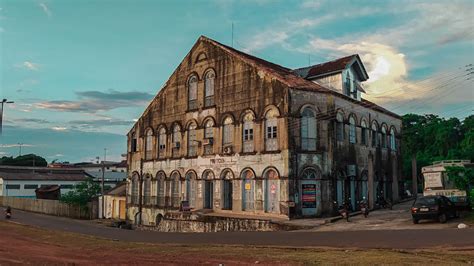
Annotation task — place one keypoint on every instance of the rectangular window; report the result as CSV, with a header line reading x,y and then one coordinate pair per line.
x,y
12,186
134,145
228,136
30,186
352,134
339,131
363,136
374,138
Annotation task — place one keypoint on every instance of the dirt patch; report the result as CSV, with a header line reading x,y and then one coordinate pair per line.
x,y
29,245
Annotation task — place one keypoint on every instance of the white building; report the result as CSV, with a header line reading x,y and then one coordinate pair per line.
x,y
20,181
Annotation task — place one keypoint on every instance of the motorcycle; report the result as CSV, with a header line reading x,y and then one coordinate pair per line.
x,y
8,213
383,202
343,210
364,208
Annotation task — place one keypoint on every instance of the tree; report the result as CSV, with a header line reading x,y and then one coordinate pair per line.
x,y
431,138
82,193
462,177
24,160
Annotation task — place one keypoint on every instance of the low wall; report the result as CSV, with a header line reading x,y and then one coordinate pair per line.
x,y
51,207
183,222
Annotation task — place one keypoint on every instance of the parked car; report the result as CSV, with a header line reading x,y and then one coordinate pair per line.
x,y
437,207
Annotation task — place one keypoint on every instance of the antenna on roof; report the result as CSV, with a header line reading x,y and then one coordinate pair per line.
x,y
232,34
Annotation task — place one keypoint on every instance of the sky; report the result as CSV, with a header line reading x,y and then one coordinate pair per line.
x,y
81,72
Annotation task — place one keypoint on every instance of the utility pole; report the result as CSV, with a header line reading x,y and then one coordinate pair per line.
x,y
4,101
102,183
19,145
414,176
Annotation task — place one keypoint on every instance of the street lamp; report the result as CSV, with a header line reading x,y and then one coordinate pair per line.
x,y
4,101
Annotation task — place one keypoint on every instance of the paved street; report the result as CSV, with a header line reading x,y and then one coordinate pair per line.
x,y
416,238
397,219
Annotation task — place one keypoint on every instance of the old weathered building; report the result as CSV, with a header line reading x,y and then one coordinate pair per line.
x,y
233,133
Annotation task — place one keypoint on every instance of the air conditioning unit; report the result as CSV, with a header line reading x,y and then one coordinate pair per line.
x,y
227,150
351,170
177,145
208,141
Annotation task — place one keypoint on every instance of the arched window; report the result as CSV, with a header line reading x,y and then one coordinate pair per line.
x,y
135,189
162,143
176,140
352,130
175,189
147,190
247,132
393,144
228,134
192,92
363,132
192,142
190,185
133,143
374,130
149,144
308,130
209,137
160,179
340,126
209,88
384,137
271,130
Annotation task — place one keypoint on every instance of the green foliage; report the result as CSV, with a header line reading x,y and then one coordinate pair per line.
x,y
431,138
82,193
24,160
462,177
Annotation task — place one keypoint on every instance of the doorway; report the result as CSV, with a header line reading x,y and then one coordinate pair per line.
x,y
208,189
227,195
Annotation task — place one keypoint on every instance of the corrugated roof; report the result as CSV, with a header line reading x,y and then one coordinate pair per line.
x,y
41,173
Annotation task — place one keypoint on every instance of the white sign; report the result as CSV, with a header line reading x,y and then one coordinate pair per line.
x,y
433,180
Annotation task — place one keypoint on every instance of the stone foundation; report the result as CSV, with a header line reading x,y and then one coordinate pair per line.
x,y
190,222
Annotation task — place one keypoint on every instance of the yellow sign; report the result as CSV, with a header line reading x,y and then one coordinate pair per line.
x,y
247,186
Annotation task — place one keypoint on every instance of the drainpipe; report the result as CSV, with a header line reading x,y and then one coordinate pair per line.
x,y
140,192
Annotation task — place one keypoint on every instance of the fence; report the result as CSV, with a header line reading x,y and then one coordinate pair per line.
x,y
51,207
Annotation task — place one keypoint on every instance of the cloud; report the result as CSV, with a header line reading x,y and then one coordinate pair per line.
x,y
311,4
94,101
28,65
16,145
32,120
45,9
94,123
59,128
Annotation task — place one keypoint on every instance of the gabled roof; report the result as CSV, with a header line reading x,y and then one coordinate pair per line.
x,y
332,67
118,190
283,74
287,76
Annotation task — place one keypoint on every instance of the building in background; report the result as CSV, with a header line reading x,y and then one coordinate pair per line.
x,y
21,181
115,202
234,134
115,172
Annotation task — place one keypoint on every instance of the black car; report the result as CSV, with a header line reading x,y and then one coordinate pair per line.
x,y
437,208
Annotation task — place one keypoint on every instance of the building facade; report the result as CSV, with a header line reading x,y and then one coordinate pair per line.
x,y
233,133
16,181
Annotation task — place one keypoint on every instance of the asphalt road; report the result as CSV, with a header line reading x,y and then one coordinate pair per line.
x,y
423,238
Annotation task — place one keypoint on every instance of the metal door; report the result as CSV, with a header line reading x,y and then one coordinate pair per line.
x,y
308,194
271,196
208,189
248,194
227,195
122,209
